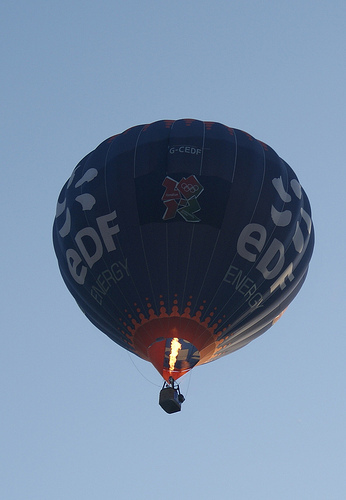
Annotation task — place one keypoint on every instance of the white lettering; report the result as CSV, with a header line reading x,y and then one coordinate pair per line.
x,y
124,266
272,261
96,295
253,235
73,261
243,285
64,231
298,239
279,186
231,272
108,231
90,246
281,218
185,149
89,232
108,278
281,279
255,300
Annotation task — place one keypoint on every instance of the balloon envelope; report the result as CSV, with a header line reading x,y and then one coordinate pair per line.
x,y
183,240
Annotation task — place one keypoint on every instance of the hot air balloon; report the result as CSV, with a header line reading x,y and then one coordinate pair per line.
x,y
183,241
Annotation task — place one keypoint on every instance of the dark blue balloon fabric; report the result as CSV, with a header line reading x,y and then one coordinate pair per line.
x,y
183,229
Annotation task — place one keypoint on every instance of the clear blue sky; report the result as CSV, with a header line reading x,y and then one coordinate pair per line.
x,y
79,416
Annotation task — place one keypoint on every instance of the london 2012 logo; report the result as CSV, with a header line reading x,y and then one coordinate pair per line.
x,y
180,198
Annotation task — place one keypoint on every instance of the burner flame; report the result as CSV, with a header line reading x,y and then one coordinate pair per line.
x,y
175,348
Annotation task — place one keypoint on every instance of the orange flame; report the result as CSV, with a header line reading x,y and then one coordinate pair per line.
x,y
175,348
